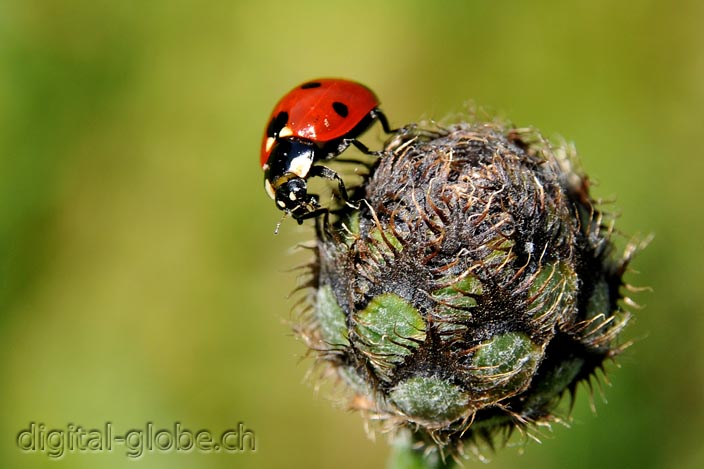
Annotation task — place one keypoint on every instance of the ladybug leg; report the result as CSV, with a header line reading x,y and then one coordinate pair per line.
x,y
377,114
310,209
327,173
312,214
346,142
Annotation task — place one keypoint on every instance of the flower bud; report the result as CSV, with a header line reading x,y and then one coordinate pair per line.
x,y
473,283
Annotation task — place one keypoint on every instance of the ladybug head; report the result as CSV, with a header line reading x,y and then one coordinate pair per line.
x,y
285,176
292,197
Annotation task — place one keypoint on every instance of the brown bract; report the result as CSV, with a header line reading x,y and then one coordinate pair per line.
x,y
474,282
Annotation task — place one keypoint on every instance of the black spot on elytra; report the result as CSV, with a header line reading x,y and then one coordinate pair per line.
x,y
276,124
310,84
340,108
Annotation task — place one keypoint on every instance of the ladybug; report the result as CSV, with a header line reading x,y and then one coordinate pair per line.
x,y
316,121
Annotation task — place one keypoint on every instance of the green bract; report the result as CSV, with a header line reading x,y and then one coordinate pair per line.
x,y
471,285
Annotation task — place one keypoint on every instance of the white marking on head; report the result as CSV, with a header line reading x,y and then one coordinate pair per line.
x,y
292,196
300,166
281,203
285,132
269,189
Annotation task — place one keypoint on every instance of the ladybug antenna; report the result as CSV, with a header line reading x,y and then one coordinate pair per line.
x,y
283,217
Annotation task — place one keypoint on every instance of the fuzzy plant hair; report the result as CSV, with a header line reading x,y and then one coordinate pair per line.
x,y
471,285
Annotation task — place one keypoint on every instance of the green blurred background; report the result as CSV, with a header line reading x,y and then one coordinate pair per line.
x,y
140,280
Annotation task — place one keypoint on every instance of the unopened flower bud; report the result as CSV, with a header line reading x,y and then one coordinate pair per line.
x,y
473,284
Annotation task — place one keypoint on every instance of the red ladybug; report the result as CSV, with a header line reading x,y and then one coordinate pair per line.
x,y
316,121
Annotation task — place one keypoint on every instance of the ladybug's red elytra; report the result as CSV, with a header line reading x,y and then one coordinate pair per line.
x,y
316,121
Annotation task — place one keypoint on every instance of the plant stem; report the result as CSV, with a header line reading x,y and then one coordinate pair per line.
x,y
406,454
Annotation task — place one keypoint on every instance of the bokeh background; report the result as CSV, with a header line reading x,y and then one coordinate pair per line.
x,y
140,279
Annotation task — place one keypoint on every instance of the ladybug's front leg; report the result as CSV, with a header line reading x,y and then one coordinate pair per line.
x,y
312,214
346,142
327,173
